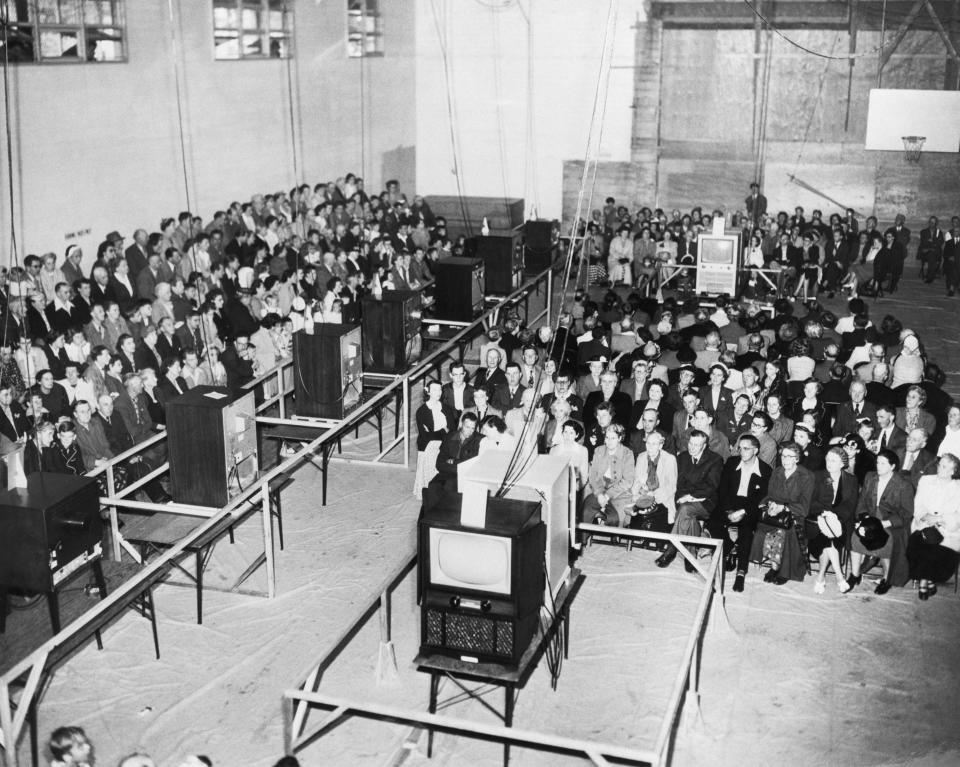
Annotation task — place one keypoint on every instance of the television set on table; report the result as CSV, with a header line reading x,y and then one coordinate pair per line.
x,y
482,588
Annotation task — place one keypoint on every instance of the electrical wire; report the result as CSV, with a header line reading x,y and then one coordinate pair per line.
x,y
814,108
451,118
290,91
175,58
795,44
498,99
14,249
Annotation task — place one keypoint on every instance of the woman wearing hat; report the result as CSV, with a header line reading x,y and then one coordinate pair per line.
x,y
933,547
888,497
831,516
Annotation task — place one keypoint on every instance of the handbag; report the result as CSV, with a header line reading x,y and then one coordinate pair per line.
x,y
931,535
829,524
773,543
783,520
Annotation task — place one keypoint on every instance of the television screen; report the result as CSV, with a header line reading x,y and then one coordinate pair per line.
x,y
460,559
717,251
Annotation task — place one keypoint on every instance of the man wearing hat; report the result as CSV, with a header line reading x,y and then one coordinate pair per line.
x,y
590,382
811,456
686,377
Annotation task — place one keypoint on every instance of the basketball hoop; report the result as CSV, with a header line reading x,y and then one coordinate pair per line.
x,y
912,146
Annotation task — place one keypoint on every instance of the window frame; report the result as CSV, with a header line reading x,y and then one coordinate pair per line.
x,y
264,31
82,29
363,11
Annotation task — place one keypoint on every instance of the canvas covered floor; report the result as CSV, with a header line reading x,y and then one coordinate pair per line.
x,y
807,678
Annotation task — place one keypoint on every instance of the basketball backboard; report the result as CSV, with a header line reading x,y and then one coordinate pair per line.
x,y
893,114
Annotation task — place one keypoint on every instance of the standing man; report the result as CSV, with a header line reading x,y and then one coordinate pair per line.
x,y
930,249
756,205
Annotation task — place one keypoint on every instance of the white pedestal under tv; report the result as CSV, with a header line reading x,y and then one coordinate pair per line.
x,y
547,479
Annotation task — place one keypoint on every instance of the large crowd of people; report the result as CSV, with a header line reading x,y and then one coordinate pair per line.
x,y
90,353
805,441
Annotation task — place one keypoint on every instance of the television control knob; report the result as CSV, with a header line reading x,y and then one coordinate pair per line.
x,y
455,602
485,605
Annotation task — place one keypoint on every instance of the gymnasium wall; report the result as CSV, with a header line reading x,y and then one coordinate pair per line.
x,y
476,91
708,124
96,146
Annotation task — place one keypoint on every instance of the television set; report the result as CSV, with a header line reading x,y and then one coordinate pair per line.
x,y
482,588
718,250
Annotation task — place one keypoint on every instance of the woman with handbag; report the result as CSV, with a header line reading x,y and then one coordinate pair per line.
x,y
831,516
787,505
886,496
933,549
654,487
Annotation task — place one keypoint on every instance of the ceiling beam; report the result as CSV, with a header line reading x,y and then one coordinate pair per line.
x,y
790,14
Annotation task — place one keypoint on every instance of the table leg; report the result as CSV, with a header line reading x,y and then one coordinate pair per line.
x,y
151,613
325,464
99,579
396,420
565,617
53,603
509,693
434,689
380,427
199,586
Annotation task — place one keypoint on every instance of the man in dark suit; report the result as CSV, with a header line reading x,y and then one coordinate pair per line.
x,y
168,343
848,413
836,259
562,390
137,254
457,394
683,419
458,446
507,396
915,460
481,406
61,313
149,277
38,322
132,405
888,435
900,232
930,249
190,333
648,423
743,484
756,205
698,483
490,377
619,402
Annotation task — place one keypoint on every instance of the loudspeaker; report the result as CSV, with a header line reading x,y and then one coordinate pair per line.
x,y
327,370
538,234
48,530
459,289
212,438
502,256
391,330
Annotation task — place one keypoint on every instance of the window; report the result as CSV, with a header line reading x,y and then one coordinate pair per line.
x,y
364,28
251,29
64,30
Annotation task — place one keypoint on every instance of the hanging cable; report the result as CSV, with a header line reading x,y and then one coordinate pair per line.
x,y
816,103
176,79
498,100
363,106
448,80
293,123
14,247
604,62
812,52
